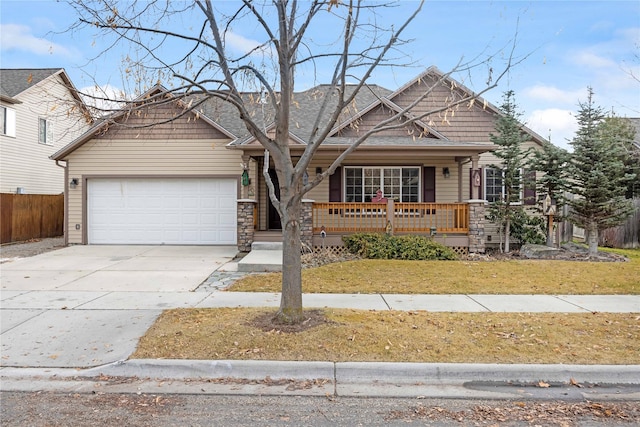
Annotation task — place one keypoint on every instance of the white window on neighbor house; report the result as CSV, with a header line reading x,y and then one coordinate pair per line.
x,y
398,183
8,121
45,131
494,187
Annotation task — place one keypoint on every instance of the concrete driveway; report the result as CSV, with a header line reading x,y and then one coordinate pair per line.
x,y
116,268
88,305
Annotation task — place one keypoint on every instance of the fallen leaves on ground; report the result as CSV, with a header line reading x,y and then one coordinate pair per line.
x,y
539,413
396,336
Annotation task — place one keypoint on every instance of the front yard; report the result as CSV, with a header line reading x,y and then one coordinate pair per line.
x,y
418,336
397,336
463,277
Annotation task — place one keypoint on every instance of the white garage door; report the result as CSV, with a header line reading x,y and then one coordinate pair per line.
x,y
172,211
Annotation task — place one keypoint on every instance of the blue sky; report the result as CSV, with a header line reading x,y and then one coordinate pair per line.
x,y
569,45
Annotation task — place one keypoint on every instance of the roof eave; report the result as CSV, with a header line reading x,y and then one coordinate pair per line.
x,y
9,100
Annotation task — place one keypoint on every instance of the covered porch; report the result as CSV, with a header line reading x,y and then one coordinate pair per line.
x,y
427,189
457,225
444,222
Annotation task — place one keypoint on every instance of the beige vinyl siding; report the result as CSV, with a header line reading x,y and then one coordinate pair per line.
x,y
150,158
321,192
24,161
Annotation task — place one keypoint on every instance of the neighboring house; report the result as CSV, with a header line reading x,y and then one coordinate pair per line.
x,y
40,112
181,182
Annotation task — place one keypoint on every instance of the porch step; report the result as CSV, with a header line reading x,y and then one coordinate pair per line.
x,y
264,256
266,246
268,236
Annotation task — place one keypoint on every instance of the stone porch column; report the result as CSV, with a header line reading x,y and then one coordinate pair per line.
x,y
245,224
476,225
306,224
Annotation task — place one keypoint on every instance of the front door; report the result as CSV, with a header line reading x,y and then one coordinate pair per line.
x,y
273,216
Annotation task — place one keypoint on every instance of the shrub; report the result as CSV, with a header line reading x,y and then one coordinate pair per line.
x,y
407,247
528,228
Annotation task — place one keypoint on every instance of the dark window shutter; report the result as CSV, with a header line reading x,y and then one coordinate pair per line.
x,y
429,184
335,186
481,189
530,187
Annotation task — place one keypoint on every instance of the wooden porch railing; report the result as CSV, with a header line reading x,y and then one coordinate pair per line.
x,y
402,217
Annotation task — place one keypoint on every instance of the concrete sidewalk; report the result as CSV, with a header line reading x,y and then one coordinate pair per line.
x,y
79,329
153,300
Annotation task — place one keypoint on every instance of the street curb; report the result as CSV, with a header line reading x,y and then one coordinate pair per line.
x,y
209,369
328,379
346,372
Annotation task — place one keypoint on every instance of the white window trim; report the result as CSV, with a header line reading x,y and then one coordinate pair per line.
x,y
520,193
344,177
9,122
48,131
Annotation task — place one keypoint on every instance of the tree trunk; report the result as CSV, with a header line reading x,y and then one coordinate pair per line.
x,y
291,298
507,230
592,239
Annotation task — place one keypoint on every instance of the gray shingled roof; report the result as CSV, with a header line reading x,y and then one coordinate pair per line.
x,y
305,108
14,81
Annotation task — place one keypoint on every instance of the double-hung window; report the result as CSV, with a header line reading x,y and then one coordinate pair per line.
x,y
401,184
494,186
7,121
45,131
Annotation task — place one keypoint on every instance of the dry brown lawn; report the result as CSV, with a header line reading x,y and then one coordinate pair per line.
x,y
418,336
397,336
462,277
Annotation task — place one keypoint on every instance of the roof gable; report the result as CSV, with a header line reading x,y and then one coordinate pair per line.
x,y
469,121
15,81
379,112
168,118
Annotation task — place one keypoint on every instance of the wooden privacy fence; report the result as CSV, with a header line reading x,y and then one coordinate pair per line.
x,y
627,234
422,218
30,216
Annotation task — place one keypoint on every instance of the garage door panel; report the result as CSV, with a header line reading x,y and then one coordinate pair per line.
x,y
162,211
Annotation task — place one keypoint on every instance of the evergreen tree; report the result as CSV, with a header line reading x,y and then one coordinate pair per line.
x,y
598,176
509,138
551,161
620,131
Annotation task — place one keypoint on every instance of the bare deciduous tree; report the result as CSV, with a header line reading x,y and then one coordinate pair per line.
x,y
191,46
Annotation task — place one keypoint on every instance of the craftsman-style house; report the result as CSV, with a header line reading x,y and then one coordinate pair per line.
x,y
198,178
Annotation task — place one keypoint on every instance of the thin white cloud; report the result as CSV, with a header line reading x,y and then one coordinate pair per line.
x,y
602,26
103,99
629,34
245,45
592,60
542,92
19,37
556,124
